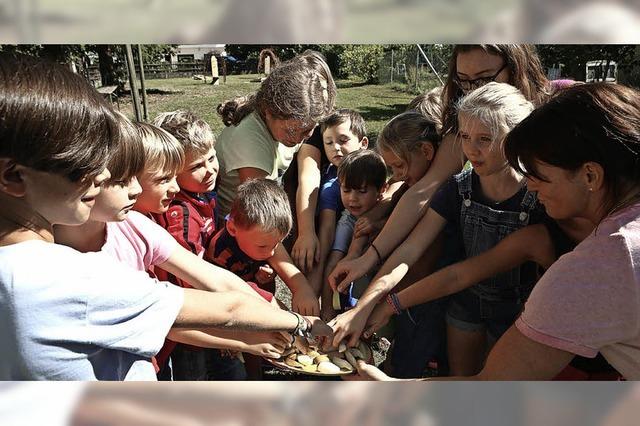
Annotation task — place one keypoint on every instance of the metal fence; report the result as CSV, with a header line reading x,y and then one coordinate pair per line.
x,y
408,66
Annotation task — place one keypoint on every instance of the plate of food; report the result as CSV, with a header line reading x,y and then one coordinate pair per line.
x,y
305,358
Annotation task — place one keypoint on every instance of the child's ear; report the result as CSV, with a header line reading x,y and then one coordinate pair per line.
x,y
231,227
364,142
382,191
11,178
428,150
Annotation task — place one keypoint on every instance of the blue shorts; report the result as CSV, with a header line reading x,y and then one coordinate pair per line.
x,y
469,312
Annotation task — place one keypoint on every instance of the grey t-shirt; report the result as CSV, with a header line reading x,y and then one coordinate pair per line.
x,y
66,315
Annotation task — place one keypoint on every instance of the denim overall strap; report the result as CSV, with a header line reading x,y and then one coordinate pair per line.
x,y
482,228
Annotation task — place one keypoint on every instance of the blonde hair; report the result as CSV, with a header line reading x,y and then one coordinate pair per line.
x,y
301,89
429,104
498,106
406,132
191,131
162,151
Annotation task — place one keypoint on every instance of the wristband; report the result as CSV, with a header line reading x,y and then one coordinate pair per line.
x,y
303,328
393,305
373,246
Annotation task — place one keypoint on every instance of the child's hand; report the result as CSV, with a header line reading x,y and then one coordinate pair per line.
x,y
306,252
378,319
348,326
364,226
267,344
305,301
368,372
347,271
265,275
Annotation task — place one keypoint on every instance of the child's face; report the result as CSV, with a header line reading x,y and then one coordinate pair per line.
x,y
484,154
290,132
340,141
59,200
410,172
200,172
359,201
255,242
158,189
116,200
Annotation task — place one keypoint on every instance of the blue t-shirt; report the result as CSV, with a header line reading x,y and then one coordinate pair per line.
x,y
330,191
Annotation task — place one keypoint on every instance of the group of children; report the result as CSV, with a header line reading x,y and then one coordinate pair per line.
x,y
168,176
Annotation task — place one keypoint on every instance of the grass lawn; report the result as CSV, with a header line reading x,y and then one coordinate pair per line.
x,y
377,104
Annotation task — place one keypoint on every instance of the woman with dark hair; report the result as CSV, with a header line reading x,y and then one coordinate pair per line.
x,y
581,153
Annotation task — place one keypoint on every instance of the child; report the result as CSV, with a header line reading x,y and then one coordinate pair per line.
x,y
362,177
260,219
485,204
51,171
343,132
137,241
429,104
190,219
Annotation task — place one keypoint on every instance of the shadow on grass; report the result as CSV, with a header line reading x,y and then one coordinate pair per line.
x,y
154,91
348,84
385,113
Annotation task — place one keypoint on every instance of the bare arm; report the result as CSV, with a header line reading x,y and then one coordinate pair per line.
x,y
305,250
203,275
531,243
351,323
304,299
270,344
326,234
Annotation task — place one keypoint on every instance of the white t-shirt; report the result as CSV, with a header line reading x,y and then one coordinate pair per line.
x,y
66,315
589,300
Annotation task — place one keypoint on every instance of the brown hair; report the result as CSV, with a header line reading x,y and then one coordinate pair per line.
x,y
192,132
357,127
301,88
429,104
525,73
52,120
597,122
262,203
162,151
127,159
406,132
362,168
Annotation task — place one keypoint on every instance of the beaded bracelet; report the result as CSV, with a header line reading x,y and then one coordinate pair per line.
x,y
393,304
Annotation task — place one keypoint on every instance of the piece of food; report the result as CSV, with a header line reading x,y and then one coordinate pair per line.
x,y
342,347
335,301
328,368
313,354
292,363
310,368
305,359
321,358
301,345
356,353
352,360
366,351
344,365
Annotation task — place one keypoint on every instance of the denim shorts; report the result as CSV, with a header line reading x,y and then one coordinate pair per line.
x,y
469,312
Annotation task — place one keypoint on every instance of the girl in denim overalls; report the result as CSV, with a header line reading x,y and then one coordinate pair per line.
x,y
483,205
488,202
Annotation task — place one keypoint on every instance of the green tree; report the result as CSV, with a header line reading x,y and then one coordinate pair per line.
x,y
362,61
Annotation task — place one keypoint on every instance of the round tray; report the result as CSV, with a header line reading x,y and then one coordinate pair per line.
x,y
280,364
